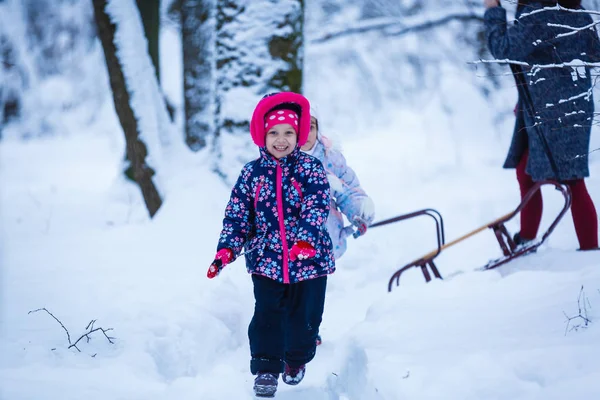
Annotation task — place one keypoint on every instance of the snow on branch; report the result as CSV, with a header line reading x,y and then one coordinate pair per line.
x,y
502,62
574,30
587,94
569,64
395,26
89,329
586,155
558,7
535,68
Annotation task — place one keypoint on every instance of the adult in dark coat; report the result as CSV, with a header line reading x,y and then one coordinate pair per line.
x,y
555,110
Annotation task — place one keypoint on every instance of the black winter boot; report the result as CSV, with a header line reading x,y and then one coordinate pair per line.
x,y
293,376
265,384
519,241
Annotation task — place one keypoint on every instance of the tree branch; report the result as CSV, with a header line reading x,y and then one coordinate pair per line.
x,y
583,314
395,26
438,22
57,320
536,67
558,7
504,61
586,155
89,330
574,30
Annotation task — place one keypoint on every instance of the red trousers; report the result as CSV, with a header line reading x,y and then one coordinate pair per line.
x,y
583,211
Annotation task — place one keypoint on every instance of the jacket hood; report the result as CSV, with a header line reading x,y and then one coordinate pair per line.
x,y
281,100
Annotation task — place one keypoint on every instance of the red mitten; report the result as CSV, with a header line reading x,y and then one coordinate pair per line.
x,y
302,250
223,257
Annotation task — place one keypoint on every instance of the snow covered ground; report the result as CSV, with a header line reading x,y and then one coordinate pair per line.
x,y
75,239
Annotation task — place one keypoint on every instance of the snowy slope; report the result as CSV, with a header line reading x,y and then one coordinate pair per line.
x,y
75,239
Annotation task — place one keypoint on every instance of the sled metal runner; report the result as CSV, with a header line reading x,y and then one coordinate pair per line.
x,y
509,248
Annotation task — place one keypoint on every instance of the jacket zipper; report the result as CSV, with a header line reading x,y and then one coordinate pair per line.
x,y
286,271
257,193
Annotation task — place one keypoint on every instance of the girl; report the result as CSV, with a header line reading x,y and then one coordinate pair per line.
x,y
347,197
277,213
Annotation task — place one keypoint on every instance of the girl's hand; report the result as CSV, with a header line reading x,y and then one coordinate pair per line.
x,y
491,3
367,210
301,251
223,257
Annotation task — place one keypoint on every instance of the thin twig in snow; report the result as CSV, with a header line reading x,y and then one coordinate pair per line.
x,y
57,320
89,330
583,313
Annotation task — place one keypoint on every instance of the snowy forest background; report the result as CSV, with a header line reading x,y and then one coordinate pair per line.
x,y
393,87
356,60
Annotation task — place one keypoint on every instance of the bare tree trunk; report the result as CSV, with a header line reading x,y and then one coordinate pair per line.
x,y
136,149
12,82
150,13
198,36
258,51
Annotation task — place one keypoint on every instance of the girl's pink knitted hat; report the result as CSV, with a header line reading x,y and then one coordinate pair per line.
x,y
281,101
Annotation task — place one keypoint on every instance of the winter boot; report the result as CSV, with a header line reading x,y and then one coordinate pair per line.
x,y
519,241
265,384
293,376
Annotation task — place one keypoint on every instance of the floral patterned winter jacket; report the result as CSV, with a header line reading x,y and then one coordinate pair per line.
x,y
273,199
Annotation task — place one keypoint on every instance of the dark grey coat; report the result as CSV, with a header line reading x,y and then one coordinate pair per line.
x,y
562,100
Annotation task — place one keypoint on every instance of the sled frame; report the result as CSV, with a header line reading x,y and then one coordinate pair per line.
x,y
509,248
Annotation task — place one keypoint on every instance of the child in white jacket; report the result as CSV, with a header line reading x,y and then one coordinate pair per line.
x,y
347,197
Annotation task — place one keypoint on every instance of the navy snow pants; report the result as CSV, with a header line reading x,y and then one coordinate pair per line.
x,y
285,324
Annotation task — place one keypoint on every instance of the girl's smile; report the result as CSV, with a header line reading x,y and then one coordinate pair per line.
x,y
281,140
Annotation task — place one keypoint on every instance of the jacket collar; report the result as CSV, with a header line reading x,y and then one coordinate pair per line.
x,y
284,161
319,150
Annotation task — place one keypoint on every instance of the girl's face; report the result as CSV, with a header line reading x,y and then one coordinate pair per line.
x,y
312,136
281,140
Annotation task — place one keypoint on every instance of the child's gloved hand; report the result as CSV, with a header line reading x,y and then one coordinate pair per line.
x,y
361,226
367,210
365,217
301,251
223,257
